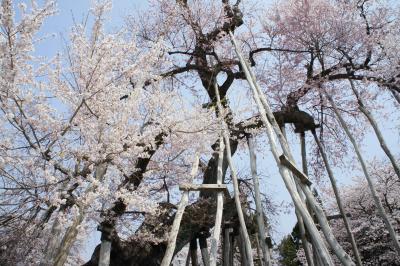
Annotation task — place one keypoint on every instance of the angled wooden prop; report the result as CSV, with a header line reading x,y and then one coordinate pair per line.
x,y
288,164
178,218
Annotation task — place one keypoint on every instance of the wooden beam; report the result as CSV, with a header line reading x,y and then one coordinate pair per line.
x,y
303,178
198,187
337,216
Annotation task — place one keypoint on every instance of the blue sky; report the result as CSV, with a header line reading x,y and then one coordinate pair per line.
x,y
70,10
272,183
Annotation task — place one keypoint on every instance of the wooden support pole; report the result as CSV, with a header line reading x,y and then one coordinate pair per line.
x,y
232,251
259,256
371,184
306,246
178,217
378,133
300,221
242,249
220,205
236,192
271,124
292,167
266,257
198,187
227,246
337,216
338,199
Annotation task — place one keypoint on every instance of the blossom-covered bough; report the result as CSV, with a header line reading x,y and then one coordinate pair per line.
x,y
101,135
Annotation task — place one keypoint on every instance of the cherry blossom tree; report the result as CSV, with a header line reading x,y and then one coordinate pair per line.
x,y
102,135
69,141
372,236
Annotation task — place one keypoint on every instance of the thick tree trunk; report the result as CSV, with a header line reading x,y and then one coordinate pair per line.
x,y
171,245
236,192
204,250
193,252
143,251
371,185
290,184
52,244
68,240
377,131
266,258
338,199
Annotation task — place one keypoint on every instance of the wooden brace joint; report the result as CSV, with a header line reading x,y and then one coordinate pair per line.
x,y
288,164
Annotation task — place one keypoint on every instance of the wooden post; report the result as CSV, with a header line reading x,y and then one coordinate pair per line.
x,y
304,179
371,185
338,199
378,133
178,217
236,192
259,256
315,258
227,246
232,251
242,249
271,125
266,258
220,205
203,248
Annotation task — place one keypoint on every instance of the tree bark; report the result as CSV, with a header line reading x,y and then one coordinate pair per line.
x,y
144,252
193,251
72,232
204,250
52,244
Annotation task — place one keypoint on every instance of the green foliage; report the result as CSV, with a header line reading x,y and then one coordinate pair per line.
x,y
287,251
